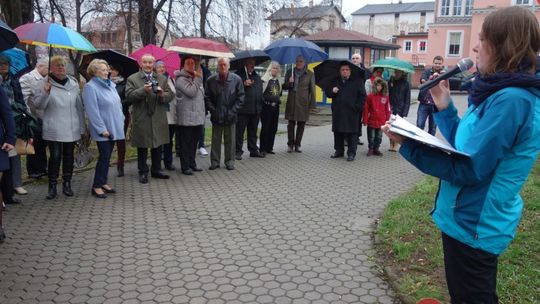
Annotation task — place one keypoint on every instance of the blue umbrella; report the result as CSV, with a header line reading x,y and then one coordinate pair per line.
x,y
8,38
19,61
286,50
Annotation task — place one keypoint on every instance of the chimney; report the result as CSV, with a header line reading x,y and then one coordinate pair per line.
x,y
311,3
291,9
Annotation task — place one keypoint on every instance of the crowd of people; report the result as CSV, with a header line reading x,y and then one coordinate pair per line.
x,y
167,113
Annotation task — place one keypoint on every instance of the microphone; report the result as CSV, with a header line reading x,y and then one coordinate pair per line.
x,y
462,66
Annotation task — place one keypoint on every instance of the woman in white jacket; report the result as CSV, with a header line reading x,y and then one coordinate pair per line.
x,y
58,95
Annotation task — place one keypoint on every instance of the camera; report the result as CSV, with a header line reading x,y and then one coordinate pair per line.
x,y
154,84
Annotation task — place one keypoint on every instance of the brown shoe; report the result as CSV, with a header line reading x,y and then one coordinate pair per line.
x,y
369,152
377,152
289,149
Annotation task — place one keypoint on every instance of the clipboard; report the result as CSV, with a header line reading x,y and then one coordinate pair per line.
x,y
402,127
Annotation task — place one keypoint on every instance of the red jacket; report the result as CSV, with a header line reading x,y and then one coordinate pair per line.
x,y
376,110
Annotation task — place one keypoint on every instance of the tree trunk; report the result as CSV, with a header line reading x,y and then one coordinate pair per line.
x,y
17,12
146,22
168,24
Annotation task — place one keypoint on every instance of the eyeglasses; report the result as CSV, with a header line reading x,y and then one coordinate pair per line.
x,y
4,63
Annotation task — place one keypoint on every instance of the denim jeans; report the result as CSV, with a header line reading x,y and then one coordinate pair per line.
x,y
105,149
374,136
425,111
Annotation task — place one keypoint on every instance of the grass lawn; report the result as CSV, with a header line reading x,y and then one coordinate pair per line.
x,y
409,247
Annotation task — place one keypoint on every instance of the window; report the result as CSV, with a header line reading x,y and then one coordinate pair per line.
x,y
468,7
445,7
454,44
137,37
522,2
457,8
407,46
422,46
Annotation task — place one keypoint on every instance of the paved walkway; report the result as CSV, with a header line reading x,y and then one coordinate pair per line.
x,y
290,228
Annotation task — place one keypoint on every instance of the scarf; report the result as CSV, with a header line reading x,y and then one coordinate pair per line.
x,y
58,80
118,79
106,82
484,86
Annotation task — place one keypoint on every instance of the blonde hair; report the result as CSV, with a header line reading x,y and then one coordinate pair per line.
x,y
58,59
513,34
93,66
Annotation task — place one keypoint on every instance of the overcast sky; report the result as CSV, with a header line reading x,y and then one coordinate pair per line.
x,y
350,6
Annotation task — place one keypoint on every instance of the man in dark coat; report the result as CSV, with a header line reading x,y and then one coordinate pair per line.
x,y
426,107
249,113
148,91
357,59
347,101
224,96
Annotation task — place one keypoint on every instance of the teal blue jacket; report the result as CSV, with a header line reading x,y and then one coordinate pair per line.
x,y
478,201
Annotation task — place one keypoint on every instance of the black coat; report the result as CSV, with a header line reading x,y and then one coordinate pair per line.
x,y
347,104
400,96
253,99
224,99
7,129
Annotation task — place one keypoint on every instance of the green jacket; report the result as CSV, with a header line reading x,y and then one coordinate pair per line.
x,y
149,114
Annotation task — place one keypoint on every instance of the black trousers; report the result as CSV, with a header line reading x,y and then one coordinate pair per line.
x,y
339,143
60,152
249,122
168,148
471,274
295,138
189,137
37,163
142,155
6,186
269,122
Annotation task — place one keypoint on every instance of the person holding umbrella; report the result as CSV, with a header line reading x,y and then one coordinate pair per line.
x,y
59,97
347,102
104,110
190,111
400,98
249,113
301,99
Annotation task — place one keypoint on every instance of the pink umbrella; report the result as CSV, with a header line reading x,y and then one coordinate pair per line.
x,y
202,47
171,59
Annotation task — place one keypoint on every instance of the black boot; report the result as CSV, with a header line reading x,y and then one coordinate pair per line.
x,y
120,171
66,188
52,191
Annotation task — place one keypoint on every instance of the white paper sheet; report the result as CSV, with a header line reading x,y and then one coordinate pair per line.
x,y
405,128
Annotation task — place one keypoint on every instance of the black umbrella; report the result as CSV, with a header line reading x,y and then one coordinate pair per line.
x,y
328,71
8,38
127,65
237,62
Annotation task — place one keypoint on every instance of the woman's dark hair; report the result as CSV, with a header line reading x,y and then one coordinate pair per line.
x,y
513,34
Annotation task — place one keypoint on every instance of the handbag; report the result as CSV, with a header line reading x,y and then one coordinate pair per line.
x,y
24,147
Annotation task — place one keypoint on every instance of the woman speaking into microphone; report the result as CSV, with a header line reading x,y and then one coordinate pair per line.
x,y
478,205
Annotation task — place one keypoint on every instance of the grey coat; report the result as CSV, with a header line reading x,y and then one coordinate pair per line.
x,y
190,109
150,128
63,111
301,101
29,84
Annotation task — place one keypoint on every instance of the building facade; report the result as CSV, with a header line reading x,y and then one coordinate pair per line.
x,y
110,32
302,21
384,21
